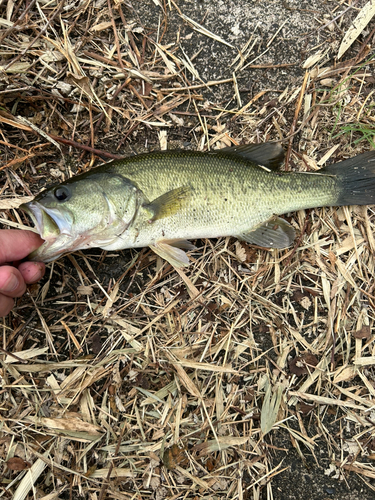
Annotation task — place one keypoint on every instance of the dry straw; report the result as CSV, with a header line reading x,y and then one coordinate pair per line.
x,y
123,378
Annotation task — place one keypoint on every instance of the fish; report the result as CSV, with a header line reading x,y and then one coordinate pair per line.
x,y
163,199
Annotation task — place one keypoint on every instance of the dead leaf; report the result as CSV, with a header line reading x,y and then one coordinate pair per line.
x,y
50,56
82,82
17,463
96,344
344,374
305,408
358,25
146,89
363,333
313,59
303,298
7,204
70,422
101,26
85,290
219,444
10,7
174,456
250,254
240,252
270,407
18,67
186,381
301,365
211,307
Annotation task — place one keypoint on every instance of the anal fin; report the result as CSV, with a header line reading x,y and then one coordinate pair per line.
x,y
275,233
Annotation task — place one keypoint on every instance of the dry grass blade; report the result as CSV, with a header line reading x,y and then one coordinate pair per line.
x,y
8,204
30,478
205,31
247,373
359,24
270,408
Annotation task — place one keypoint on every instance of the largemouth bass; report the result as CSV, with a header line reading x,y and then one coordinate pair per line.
x,y
161,199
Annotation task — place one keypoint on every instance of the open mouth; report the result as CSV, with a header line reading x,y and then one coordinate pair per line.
x,y
43,222
51,226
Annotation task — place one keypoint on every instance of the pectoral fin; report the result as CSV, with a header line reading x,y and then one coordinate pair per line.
x,y
275,233
168,203
168,251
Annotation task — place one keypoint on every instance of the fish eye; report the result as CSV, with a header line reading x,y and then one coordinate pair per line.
x,y
62,193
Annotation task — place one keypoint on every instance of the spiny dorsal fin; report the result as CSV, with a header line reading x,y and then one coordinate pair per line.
x,y
268,154
275,233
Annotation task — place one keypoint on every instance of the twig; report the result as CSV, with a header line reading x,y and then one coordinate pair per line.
x,y
78,145
296,113
106,481
201,86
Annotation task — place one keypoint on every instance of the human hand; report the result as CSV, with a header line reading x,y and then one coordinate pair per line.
x,y
14,246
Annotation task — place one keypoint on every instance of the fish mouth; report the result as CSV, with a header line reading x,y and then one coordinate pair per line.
x,y
52,226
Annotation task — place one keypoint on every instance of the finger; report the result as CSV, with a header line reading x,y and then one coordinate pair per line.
x,y
16,245
12,283
32,271
6,304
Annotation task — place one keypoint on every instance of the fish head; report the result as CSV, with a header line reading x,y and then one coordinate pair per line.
x,y
89,210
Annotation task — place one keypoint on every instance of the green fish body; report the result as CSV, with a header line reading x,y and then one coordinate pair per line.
x,y
161,199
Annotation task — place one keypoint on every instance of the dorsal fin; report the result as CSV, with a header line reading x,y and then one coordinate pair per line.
x,y
268,154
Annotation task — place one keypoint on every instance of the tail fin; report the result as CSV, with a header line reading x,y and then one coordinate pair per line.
x,y
356,178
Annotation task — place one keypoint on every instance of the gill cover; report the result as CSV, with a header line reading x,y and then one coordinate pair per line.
x,y
89,210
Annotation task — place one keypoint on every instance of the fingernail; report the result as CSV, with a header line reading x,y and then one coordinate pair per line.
x,y
11,284
36,275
